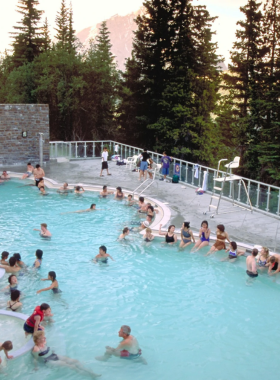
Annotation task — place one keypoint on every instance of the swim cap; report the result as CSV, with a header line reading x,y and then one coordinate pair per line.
x,y
146,223
126,329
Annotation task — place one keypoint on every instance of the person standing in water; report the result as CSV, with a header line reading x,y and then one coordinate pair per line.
x,y
54,285
44,232
127,349
102,256
251,264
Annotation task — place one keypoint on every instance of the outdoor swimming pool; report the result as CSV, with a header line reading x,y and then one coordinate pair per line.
x,y
194,317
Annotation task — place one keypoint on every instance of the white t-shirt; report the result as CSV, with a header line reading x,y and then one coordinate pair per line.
x,y
104,156
116,148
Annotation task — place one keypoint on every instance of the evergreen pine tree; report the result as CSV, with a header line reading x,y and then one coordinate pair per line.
x,y
28,41
71,38
46,36
62,23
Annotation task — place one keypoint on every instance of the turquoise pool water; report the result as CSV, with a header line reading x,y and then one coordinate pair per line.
x,y
194,317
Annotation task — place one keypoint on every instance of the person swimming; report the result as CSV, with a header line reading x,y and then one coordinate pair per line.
x,y
54,285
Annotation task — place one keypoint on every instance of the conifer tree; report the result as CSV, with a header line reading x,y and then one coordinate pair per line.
x,y
62,23
71,38
46,36
28,41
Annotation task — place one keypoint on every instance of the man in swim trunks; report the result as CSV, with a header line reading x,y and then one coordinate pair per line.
x,y
251,264
127,349
105,192
38,173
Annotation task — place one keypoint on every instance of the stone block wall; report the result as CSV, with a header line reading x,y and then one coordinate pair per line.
x,y
15,119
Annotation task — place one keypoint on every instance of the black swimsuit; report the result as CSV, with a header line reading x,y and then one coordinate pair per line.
x,y
169,239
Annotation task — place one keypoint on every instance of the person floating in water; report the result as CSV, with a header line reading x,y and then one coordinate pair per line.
x,y
92,208
127,349
251,264
148,236
42,352
44,232
6,347
38,261
14,303
54,285
102,257
33,323
124,234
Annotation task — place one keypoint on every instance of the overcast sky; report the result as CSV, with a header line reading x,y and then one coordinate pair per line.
x,y
89,12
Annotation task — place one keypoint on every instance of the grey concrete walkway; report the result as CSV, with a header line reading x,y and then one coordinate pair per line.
x,y
242,226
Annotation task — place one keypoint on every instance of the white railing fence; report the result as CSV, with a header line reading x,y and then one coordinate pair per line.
x,y
264,197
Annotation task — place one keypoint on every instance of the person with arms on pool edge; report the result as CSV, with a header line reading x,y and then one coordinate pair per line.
x,y
127,349
251,264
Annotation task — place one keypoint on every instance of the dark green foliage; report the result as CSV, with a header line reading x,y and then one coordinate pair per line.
x,y
62,25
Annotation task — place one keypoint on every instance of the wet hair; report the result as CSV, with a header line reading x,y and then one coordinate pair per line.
x,y
37,166
141,199
104,187
221,227
272,259
28,163
169,228
12,261
15,294
204,221
255,252
125,230
37,335
78,188
45,306
93,204
10,278
126,329
5,255
186,224
234,245
149,217
7,345
103,248
119,188
150,208
44,225
39,254
17,256
148,230
53,275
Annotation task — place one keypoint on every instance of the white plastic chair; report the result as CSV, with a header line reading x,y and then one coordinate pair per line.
x,y
131,161
233,164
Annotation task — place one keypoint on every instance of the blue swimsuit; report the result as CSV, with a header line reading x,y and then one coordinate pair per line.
x,y
203,238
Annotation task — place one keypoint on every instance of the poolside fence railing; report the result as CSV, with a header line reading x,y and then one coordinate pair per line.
x,y
264,197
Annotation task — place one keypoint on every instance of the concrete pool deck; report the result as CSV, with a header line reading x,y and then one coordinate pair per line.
x,y
242,226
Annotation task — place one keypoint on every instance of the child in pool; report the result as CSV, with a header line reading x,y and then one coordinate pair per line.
x,y
54,284
102,256
13,283
4,257
6,347
124,233
38,261
148,236
14,303
233,252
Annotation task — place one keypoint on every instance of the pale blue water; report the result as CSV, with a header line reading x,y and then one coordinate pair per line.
x,y
194,317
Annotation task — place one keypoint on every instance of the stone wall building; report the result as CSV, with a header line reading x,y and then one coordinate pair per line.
x,y
20,125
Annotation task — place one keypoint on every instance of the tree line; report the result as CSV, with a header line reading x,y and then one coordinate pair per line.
x,y
172,96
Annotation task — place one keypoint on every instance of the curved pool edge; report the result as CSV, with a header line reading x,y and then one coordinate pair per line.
x,y
29,344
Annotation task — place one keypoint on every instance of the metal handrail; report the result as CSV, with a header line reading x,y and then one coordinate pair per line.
x,y
265,198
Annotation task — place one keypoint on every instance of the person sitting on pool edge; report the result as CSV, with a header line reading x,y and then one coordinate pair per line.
x,y
44,232
4,257
32,324
127,349
6,347
43,352
14,303
38,261
54,285
28,172
102,255
12,267
251,264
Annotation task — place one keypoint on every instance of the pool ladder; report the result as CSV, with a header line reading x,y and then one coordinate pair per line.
x,y
155,171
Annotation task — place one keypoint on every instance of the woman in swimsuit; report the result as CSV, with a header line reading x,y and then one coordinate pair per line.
x,y
54,285
170,236
220,242
263,258
204,237
119,194
38,261
14,304
42,352
186,235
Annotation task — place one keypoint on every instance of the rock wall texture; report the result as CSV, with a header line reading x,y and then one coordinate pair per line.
x,y
15,120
